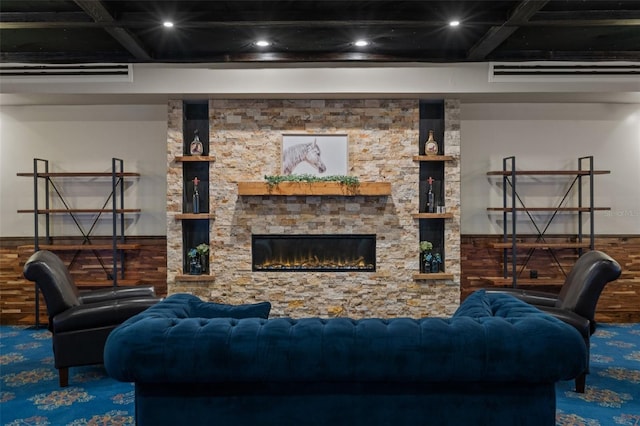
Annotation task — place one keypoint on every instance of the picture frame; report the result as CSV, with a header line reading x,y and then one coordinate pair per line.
x,y
315,154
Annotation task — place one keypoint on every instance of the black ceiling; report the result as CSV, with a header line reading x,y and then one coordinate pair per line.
x,y
88,31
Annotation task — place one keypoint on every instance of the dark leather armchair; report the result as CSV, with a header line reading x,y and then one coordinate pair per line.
x,y
81,321
578,297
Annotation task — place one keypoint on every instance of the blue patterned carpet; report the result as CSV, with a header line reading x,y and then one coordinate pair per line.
x,y
29,392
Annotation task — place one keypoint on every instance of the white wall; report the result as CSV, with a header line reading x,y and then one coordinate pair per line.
x,y
550,136
84,138
540,135
318,81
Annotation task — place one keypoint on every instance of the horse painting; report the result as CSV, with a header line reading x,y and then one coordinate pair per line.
x,y
296,154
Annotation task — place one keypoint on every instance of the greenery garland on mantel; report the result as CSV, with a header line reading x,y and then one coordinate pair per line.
x,y
345,180
351,182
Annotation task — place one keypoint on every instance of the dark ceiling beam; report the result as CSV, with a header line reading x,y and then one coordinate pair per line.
x,y
13,20
21,25
97,11
34,25
62,57
521,55
569,55
497,35
130,23
316,57
586,15
13,25
44,17
274,57
584,23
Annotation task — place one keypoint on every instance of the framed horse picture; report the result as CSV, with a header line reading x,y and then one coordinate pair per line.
x,y
317,155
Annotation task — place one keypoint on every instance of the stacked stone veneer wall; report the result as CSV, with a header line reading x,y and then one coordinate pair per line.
x,y
246,137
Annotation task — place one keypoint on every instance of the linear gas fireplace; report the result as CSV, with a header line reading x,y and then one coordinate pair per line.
x,y
302,253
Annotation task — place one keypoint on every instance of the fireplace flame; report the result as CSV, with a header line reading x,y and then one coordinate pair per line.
x,y
313,262
352,252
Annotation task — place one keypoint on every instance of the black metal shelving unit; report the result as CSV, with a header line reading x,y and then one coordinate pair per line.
x,y
46,186
513,202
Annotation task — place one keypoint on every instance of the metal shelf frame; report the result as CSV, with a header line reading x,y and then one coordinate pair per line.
x,y
45,181
511,197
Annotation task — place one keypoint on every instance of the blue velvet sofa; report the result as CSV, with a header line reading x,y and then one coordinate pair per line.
x,y
495,362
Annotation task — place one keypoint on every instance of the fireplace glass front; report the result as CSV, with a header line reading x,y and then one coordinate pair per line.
x,y
348,252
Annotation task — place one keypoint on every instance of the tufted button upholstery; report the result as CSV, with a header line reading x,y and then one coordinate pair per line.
x,y
511,341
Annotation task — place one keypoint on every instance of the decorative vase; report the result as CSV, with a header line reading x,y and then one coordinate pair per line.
x,y
204,263
431,146
195,267
431,204
196,196
436,263
196,147
427,258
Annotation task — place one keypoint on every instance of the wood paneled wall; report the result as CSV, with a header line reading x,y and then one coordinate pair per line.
x,y
620,301
146,266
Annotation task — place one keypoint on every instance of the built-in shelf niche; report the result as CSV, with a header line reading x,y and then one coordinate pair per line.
x,y
195,225
432,225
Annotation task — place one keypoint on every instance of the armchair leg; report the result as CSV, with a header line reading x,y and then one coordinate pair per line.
x,y
581,382
63,375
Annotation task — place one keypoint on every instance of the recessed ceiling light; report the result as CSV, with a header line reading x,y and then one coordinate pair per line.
x,y
262,43
454,23
361,43
167,24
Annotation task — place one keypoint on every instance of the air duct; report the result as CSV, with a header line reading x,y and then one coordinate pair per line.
x,y
66,73
519,72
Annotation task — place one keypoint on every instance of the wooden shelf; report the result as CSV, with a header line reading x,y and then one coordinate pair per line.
x,y
547,172
447,215
546,209
80,174
501,281
74,247
433,158
195,158
432,276
195,278
62,211
194,216
315,188
542,245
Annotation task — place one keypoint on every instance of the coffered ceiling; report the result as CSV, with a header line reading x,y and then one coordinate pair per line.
x,y
88,31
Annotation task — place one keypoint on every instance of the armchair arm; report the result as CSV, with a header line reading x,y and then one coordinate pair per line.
x,y
532,297
101,314
116,293
580,323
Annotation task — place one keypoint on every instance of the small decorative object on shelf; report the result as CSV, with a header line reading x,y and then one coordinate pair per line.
x,y
203,254
425,256
198,258
436,263
196,196
196,147
195,267
431,203
431,146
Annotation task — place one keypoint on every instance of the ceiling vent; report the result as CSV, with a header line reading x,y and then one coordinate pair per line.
x,y
518,72
77,73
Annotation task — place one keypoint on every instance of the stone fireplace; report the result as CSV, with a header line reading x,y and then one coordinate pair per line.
x,y
245,136
313,253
